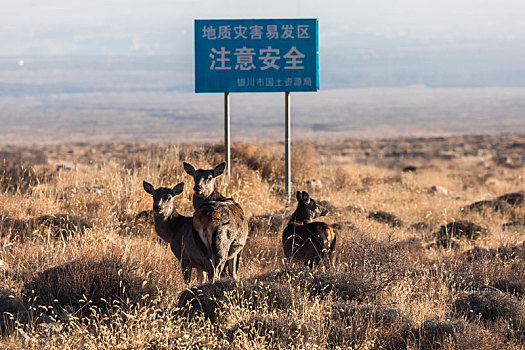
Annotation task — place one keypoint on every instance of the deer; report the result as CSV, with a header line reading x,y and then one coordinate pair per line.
x,y
204,190
219,221
305,240
178,231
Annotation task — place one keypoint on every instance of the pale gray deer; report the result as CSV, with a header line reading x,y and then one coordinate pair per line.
x,y
304,240
219,221
178,231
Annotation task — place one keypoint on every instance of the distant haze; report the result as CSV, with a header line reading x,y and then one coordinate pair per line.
x,y
468,43
103,70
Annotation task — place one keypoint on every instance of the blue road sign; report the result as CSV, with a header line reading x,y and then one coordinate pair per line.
x,y
256,55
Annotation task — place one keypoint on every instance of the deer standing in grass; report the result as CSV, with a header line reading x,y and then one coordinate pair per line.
x,y
178,231
219,221
304,240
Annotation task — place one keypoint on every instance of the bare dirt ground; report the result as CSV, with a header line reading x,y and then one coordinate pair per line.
x,y
429,253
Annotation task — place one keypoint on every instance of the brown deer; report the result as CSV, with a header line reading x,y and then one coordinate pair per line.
x,y
304,240
204,190
178,231
219,221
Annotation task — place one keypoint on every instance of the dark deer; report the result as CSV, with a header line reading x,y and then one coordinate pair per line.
x,y
220,221
304,240
178,231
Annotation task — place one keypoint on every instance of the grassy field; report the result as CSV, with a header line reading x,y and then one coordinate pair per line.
x,y
415,266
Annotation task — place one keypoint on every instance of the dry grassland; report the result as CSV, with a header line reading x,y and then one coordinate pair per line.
x,y
82,268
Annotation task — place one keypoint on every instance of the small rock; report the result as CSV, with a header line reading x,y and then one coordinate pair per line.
x,y
386,218
409,169
439,190
95,189
314,184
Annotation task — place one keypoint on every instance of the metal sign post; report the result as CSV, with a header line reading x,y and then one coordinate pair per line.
x,y
287,145
257,55
227,132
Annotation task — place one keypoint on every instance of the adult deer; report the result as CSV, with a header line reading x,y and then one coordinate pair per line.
x,y
304,240
219,221
204,190
178,231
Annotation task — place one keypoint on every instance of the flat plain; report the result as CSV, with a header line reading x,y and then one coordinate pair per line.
x,y
140,115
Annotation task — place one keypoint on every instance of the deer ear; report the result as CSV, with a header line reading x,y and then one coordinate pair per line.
x,y
299,196
219,169
177,189
306,197
189,168
148,187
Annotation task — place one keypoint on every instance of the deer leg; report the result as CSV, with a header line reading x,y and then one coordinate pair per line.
x,y
186,271
232,266
221,250
200,275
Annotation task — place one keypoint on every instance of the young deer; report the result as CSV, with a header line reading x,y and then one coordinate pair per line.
x,y
177,230
304,240
219,221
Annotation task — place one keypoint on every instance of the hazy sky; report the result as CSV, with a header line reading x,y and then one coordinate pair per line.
x,y
53,25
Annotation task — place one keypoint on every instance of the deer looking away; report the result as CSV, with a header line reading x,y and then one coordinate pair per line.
x,y
178,231
304,240
219,221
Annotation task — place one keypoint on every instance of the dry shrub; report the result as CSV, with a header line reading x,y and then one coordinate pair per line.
x,y
54,226
448,234
257,157
343,286
500,254
490,305
514,286
411,248
514,225
376,264
266,225
505,203
84,283
21,155
351,325
300,277
304,161
139,225
212,300
10,307
271,331
451,334
19,178
343,179
386,218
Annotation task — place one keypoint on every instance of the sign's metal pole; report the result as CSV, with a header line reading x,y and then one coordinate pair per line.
x,y
227,132
287,145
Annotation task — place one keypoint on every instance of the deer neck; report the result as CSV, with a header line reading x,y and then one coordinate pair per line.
x,y
299,217
199,200
167,226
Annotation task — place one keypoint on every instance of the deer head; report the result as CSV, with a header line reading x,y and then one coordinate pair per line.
x,y
163,203
307,208
204,179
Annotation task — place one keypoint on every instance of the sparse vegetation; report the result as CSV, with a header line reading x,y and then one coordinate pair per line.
x,y
82,267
